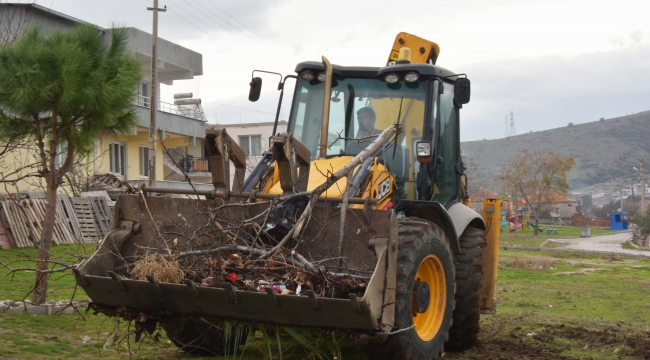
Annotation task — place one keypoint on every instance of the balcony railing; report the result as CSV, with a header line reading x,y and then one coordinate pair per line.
x,y
189,111
191,164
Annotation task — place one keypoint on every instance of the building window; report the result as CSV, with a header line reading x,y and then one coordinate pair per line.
x,y
143,94
251,144
117,153
61,150
144,161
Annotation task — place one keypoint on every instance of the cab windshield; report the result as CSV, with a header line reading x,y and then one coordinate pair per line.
x,y
360,109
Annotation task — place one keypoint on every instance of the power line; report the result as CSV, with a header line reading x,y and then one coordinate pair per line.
x,y
195,8
225,28
226,21
245,27
207,33
243,41
240,23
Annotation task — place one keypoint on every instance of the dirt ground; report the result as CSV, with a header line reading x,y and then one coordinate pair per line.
x,y
497,342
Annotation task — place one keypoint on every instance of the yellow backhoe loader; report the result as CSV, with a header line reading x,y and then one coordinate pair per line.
x,y
355,220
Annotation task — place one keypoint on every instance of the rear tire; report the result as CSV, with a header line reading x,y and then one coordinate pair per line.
x,y
198,337
469,274
424,250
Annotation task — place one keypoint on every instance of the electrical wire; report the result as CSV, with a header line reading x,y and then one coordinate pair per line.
x,y
243,41
207,33
222,10
226,21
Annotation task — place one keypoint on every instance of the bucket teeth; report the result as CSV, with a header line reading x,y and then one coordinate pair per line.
x,y
355,302
313,299
155,283
230,290
192,287
81,278
118,280
271,293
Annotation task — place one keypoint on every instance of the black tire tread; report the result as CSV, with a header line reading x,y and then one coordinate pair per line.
x,y
463,334
413,233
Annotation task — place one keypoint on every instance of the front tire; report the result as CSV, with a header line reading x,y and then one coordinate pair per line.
x,y
424,257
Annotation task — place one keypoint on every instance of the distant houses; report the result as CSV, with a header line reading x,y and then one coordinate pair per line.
x,y
554,208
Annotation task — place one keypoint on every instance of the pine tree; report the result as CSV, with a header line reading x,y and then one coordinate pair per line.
x,y
62,92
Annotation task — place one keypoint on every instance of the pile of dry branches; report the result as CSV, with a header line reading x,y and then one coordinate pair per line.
x,y
255,252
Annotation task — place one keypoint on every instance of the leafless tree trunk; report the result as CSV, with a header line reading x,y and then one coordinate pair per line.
x,y
13,22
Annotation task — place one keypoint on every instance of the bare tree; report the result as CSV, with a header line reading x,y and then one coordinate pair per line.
x,y
13,22
537,177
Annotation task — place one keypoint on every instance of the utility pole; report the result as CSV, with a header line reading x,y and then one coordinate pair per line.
x,y
621,199
153,103
642,180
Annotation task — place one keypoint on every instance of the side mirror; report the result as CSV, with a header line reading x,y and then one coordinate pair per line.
x,y
256,89
461,91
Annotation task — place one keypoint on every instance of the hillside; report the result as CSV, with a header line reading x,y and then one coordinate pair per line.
x,y
605,151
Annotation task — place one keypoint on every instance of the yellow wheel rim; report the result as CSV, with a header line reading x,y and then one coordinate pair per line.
x,y
428,323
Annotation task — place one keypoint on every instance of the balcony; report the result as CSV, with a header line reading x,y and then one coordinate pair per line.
x,y
191,111
178,161
192,165
188,120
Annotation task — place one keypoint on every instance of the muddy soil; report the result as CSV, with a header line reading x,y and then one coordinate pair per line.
x,y
500,341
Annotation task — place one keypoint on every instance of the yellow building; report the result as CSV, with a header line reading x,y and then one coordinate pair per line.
x,y
126,156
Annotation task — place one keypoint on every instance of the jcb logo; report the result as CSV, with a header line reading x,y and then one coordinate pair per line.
x,y
384,188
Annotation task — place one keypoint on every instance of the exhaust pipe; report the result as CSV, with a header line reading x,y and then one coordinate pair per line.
x,y
326,108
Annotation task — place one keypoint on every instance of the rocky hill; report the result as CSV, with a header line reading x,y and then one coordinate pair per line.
x,y
605,151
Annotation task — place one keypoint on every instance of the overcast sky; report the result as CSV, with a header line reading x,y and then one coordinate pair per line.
x,y
551,62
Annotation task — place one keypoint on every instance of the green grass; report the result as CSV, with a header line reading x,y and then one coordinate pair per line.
x,y
587,288
60,286
564,231
629,246
521,239
536,292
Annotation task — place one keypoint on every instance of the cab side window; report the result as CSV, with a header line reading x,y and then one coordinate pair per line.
x,y
445,176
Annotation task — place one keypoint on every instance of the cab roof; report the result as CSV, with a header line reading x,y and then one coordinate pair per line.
x,y
366,71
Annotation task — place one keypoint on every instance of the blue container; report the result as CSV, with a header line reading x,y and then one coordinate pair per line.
x,y
618,220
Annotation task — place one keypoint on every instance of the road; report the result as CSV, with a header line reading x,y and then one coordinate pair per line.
x,y
609,242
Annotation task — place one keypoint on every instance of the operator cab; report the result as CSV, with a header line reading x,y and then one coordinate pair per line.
x,y
419,97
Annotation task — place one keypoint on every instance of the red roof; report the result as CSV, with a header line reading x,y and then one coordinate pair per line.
x,y
481,194
546,199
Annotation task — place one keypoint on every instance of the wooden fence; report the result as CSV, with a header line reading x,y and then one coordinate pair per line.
x,y
77,220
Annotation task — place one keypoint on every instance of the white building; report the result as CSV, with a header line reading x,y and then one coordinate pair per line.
x,y
254,139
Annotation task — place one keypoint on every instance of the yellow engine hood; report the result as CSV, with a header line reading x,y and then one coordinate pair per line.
x,y
318,172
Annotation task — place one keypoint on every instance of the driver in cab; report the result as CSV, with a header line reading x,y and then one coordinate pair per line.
x,y
366,132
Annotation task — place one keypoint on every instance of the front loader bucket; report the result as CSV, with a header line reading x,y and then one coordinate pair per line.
x,y
146,297
173,227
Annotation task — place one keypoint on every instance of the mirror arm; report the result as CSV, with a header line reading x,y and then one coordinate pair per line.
x,y
277,112
269,72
